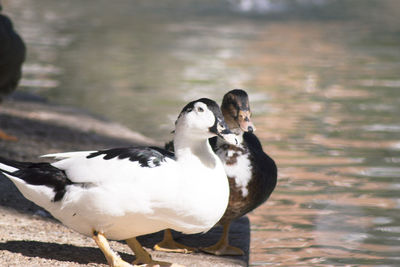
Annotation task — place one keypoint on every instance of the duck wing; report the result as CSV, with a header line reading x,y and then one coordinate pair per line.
x,y
110,164
264,168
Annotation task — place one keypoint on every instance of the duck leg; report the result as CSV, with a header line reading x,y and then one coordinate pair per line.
x,y
7,137
222,247
142,256
168,244
112,257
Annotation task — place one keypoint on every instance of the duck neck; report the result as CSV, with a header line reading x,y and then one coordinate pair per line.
x,y
238,132
199,150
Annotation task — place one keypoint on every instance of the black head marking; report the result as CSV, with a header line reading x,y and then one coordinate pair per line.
x,y
146,156
211,105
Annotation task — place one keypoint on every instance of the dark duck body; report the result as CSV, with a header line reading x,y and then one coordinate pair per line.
x,y
12,55
251,173
260,171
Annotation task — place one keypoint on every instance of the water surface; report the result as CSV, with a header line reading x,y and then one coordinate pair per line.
x,y
324,83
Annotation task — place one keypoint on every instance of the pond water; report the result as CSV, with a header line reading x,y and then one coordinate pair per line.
x,y
324,83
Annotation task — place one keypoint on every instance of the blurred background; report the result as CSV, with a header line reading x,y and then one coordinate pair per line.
x,y
324,83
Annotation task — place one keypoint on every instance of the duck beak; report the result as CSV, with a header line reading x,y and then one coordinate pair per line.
x,y
244,121
222,130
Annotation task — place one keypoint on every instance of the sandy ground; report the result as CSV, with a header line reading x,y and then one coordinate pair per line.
x,y
30,237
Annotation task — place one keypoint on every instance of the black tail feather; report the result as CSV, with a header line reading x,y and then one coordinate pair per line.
x,y
40,174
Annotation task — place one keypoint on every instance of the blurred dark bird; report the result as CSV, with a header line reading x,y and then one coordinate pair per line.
x,y
12,55
251,173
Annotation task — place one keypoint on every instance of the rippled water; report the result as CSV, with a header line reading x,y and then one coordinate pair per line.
x,y
324,82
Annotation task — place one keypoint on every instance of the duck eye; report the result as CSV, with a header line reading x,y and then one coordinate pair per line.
x,y
200,109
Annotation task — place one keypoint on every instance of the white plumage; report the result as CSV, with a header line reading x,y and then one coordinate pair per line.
x,y
241,170
126,192
119,193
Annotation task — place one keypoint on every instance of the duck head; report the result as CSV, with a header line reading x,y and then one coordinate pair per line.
x,y
236,110
202,119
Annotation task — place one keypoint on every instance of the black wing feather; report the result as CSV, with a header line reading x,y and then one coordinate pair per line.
x,y
143,155
264,165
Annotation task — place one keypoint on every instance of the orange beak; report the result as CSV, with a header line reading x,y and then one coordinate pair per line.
x,y
244,121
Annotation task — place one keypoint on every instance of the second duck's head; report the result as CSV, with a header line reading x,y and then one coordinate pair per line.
x,y
236,110
202,119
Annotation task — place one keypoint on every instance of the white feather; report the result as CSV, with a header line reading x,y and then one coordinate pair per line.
x,y
65,155
123,199
240,171
40,194
7,168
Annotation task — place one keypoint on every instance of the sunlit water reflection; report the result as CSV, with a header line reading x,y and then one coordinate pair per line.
x,y
325,90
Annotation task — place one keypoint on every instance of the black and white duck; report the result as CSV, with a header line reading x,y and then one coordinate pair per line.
x,y
252,174
122,193
12,55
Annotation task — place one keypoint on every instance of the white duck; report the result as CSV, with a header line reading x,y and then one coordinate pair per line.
x,y
122,193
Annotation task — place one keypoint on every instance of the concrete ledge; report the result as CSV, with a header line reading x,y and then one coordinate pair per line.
x,y
239,237
28,237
